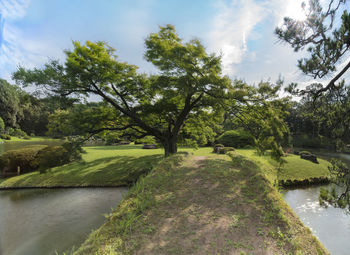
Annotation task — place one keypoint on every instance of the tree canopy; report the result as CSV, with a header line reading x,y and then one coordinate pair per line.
x,y
326,39
189,85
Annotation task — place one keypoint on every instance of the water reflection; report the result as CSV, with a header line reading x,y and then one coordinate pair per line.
x,y
43,221
330,225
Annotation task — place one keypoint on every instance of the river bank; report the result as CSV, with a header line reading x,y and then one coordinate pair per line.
x,y
203,205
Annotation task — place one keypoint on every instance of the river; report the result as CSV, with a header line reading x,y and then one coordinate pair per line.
x,y
39,221
43,221
331,225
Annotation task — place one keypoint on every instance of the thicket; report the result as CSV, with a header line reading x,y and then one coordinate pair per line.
x,y
236,139
39,157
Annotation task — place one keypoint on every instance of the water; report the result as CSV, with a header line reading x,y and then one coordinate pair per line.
x,y
37,221
330,225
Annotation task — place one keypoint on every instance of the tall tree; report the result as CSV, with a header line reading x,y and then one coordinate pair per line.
x,y
326,39
189,84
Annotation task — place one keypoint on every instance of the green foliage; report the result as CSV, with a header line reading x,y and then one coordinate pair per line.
x,y
23,158
17,132
225,150
263,116
5,137
324,34
2,125
146,140
339,194
52,156
236,138
305,152
218,147
183,102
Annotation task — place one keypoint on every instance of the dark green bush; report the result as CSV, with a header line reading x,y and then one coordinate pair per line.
x,y
236,138
17,132
217,148
51,156
305,152
74,149
24,158
5,137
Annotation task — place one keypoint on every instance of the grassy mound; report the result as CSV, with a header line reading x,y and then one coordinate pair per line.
x,y
203,205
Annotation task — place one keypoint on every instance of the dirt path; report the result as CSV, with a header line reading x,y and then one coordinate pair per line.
x,y
216,209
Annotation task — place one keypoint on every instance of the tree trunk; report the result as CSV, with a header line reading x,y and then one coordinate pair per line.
x,y
170,145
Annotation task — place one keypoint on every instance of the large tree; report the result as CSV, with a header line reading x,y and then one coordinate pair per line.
x,y
326,39
188,85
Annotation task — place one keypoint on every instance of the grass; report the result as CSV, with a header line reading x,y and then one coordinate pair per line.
x,y
100,166
121,165
202,203
294,169
195,204
32,139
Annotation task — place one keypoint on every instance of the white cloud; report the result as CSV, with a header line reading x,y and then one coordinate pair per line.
x,y
13,9
231,29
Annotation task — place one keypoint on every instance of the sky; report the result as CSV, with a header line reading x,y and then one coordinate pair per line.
x,y
35,31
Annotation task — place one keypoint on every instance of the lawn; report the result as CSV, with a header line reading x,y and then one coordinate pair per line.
x,y
100,166
123,164
32,139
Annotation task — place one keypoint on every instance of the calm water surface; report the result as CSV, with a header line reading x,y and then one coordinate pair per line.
x,y
35,222
330,225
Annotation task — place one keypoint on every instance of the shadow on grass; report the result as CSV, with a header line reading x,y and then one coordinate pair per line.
x,y
111,171
116,147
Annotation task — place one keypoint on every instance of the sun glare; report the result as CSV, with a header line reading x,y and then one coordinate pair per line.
x,y
296,9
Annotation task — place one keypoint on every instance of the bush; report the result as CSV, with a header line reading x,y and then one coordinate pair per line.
x,y
5,137
217,148
236,138
224,150
51,156
146,140
2,125
17,132
24,158
305,153
74,150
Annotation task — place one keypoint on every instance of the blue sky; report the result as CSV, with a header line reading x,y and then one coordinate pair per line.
x,y
32,31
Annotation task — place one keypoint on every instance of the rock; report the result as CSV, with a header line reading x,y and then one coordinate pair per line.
x,y
310,157
149,146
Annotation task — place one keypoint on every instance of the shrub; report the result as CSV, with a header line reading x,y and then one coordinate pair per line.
x,y
305,153
51,156
17,132
224,150
74,149
2,125
5,137
24,158
146,140
236,138
217,148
